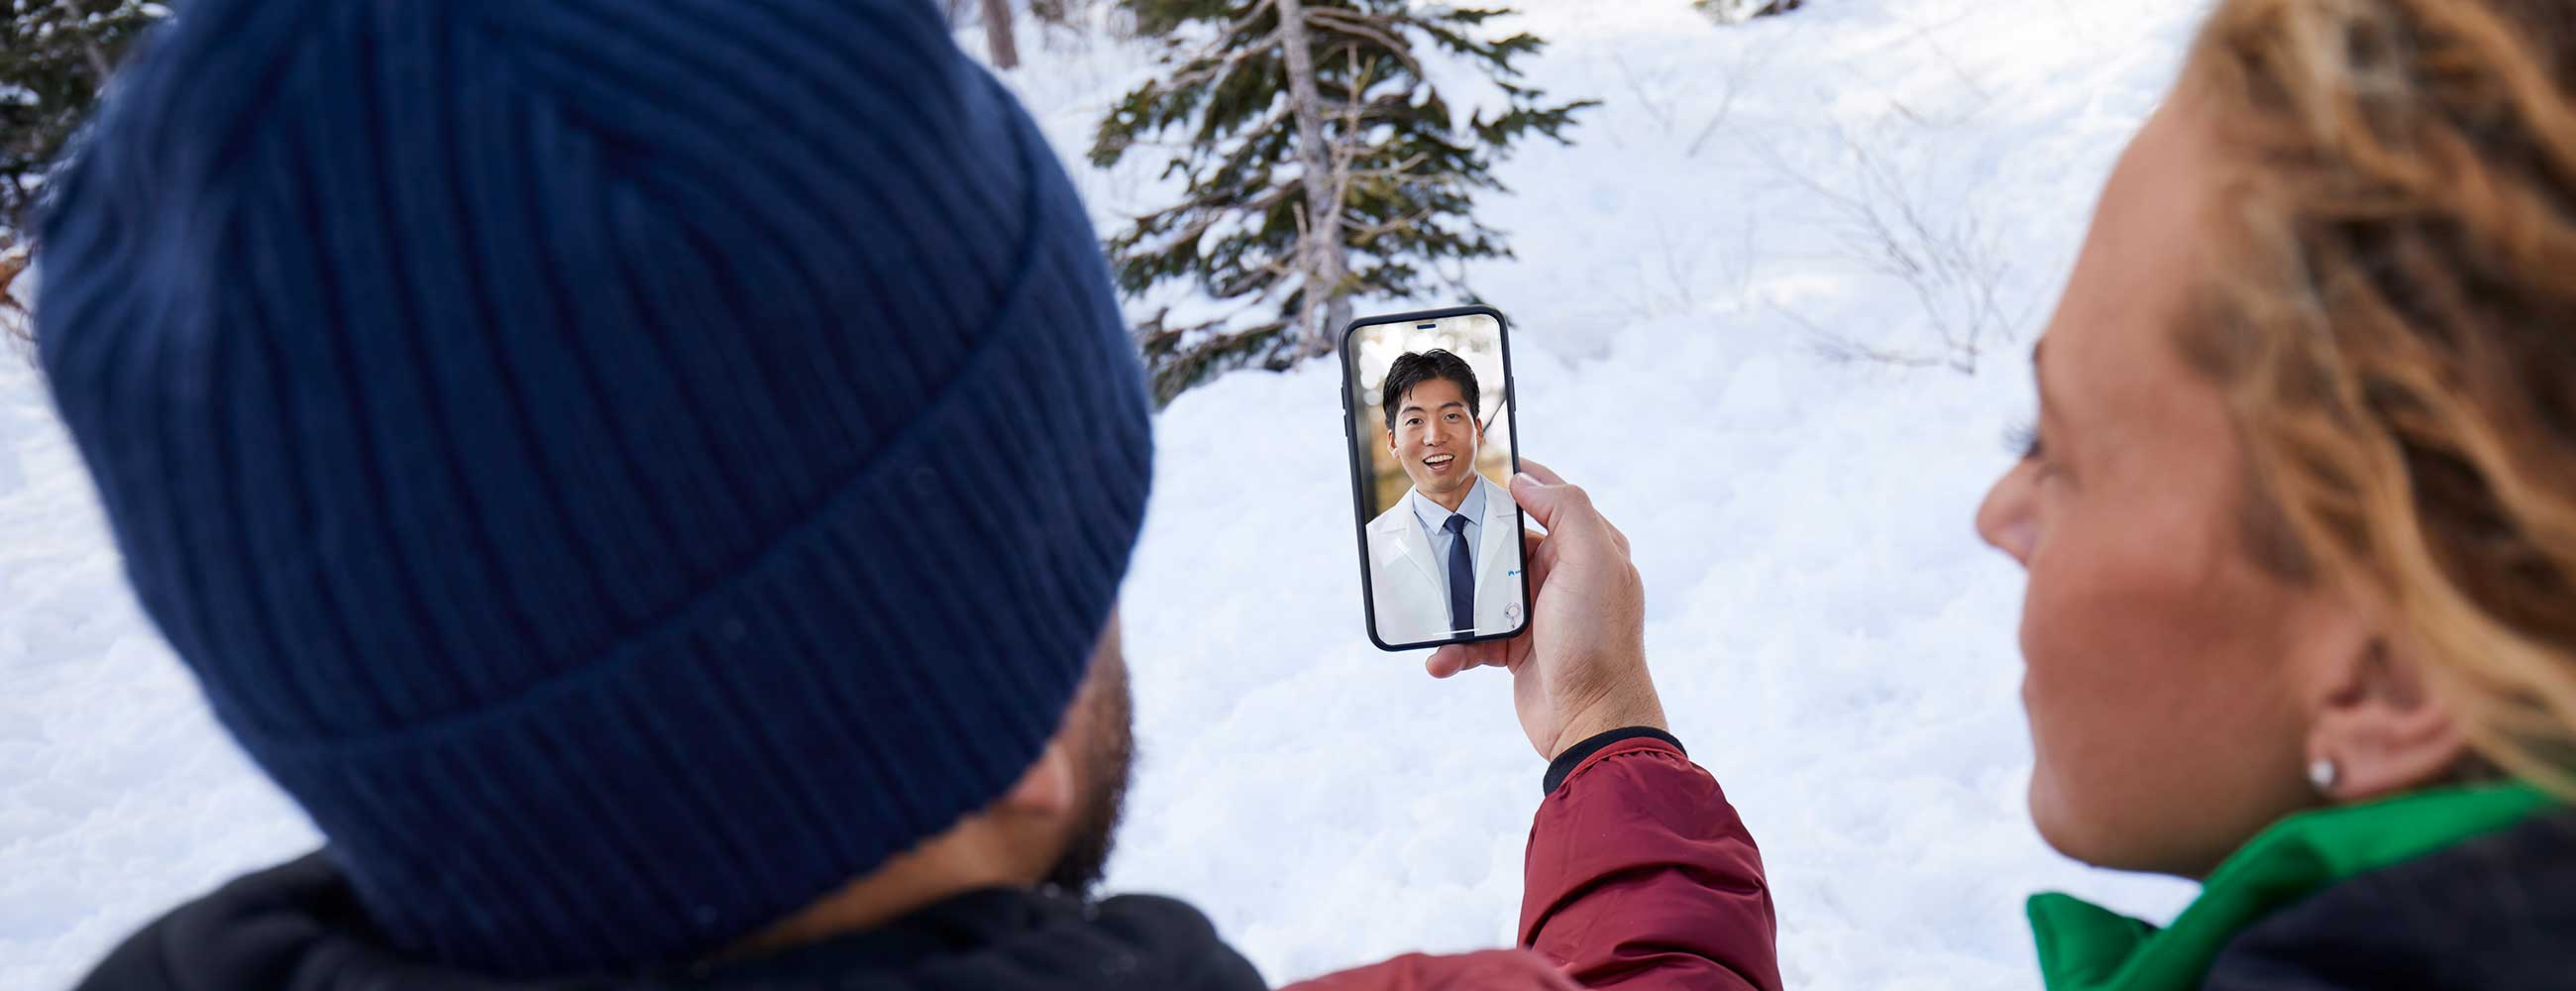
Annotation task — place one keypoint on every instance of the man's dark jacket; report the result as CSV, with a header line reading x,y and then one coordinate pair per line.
x,y
298,927
1639,876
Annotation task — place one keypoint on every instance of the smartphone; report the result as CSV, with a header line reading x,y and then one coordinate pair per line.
x,y
1427,412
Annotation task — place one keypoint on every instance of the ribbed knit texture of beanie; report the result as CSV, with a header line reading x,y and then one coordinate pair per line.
x,y
626,467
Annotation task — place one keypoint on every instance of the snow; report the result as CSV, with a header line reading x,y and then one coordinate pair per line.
x,y
1829,638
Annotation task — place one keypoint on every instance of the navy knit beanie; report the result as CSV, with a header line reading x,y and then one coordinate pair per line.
x,y
627,467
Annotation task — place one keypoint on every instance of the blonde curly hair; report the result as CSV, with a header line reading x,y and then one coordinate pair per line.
x,y
2391,306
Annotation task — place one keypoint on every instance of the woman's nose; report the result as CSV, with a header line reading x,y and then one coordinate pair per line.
x,y
2009,518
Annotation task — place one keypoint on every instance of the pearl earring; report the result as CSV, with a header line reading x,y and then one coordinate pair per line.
x,y
2323,773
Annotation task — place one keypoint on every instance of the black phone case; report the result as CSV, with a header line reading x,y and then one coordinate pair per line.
x,y
1359,464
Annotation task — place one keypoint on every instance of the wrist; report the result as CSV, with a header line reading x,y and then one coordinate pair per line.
x,y
1565,763
1638,709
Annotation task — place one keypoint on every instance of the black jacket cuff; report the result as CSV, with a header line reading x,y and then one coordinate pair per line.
x,y
1574,756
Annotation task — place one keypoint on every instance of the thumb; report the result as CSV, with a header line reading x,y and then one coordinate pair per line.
x,y
1548,504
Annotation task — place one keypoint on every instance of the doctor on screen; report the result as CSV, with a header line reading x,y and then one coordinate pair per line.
x,y
1444,561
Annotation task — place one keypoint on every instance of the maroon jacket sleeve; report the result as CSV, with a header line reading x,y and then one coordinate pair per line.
x,y
1640,876
1488,970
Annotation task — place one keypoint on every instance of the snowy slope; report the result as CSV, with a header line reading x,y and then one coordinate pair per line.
x,y
1829,637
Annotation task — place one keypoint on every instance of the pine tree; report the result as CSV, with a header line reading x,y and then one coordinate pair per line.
x,y
55,55
1321,162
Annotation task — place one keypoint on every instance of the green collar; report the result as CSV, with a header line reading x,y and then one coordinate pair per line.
x,y
2083,947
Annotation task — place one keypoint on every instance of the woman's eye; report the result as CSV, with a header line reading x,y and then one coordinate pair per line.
x,y
2022,441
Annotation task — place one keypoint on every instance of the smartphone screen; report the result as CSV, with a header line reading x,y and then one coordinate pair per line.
x,y
1427,404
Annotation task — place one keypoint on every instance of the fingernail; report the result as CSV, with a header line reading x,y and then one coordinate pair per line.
x,y
1524,478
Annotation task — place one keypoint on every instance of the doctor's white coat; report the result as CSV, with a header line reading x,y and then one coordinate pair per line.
x,y
1412,604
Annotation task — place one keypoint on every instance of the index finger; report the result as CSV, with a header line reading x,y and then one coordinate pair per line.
x,y
1457,657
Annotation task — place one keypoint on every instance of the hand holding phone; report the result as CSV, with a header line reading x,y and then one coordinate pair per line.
x,y
1580,669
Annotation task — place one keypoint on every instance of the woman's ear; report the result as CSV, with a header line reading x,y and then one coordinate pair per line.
x,y
2379,729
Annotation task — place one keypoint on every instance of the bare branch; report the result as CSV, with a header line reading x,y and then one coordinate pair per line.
x,y
1351,24
1244,23
1660,108
1953,266
14,319
1214,73
1395,171
1835,346
1362,232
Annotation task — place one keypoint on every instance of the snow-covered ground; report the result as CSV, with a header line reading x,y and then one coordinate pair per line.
x,y
1829,637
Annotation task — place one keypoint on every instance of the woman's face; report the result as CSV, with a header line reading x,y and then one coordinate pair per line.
x,y
2163,716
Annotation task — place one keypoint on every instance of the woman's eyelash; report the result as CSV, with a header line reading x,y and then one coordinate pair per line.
x,y
2021,440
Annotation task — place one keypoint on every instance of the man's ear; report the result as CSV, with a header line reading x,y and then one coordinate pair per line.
x,y
2380,724
1048,790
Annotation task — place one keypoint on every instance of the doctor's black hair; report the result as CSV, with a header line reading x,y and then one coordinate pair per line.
x,y
1411,369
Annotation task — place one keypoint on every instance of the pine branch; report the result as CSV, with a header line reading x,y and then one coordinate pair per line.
x,y
1182,357
1209,215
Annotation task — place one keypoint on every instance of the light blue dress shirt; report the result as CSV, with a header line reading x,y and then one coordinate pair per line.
x,y
1435,527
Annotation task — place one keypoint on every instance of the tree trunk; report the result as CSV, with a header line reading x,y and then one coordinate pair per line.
x,y
1326,266
998,39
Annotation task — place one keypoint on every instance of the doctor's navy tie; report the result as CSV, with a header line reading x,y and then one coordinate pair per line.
x,y
1462,578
